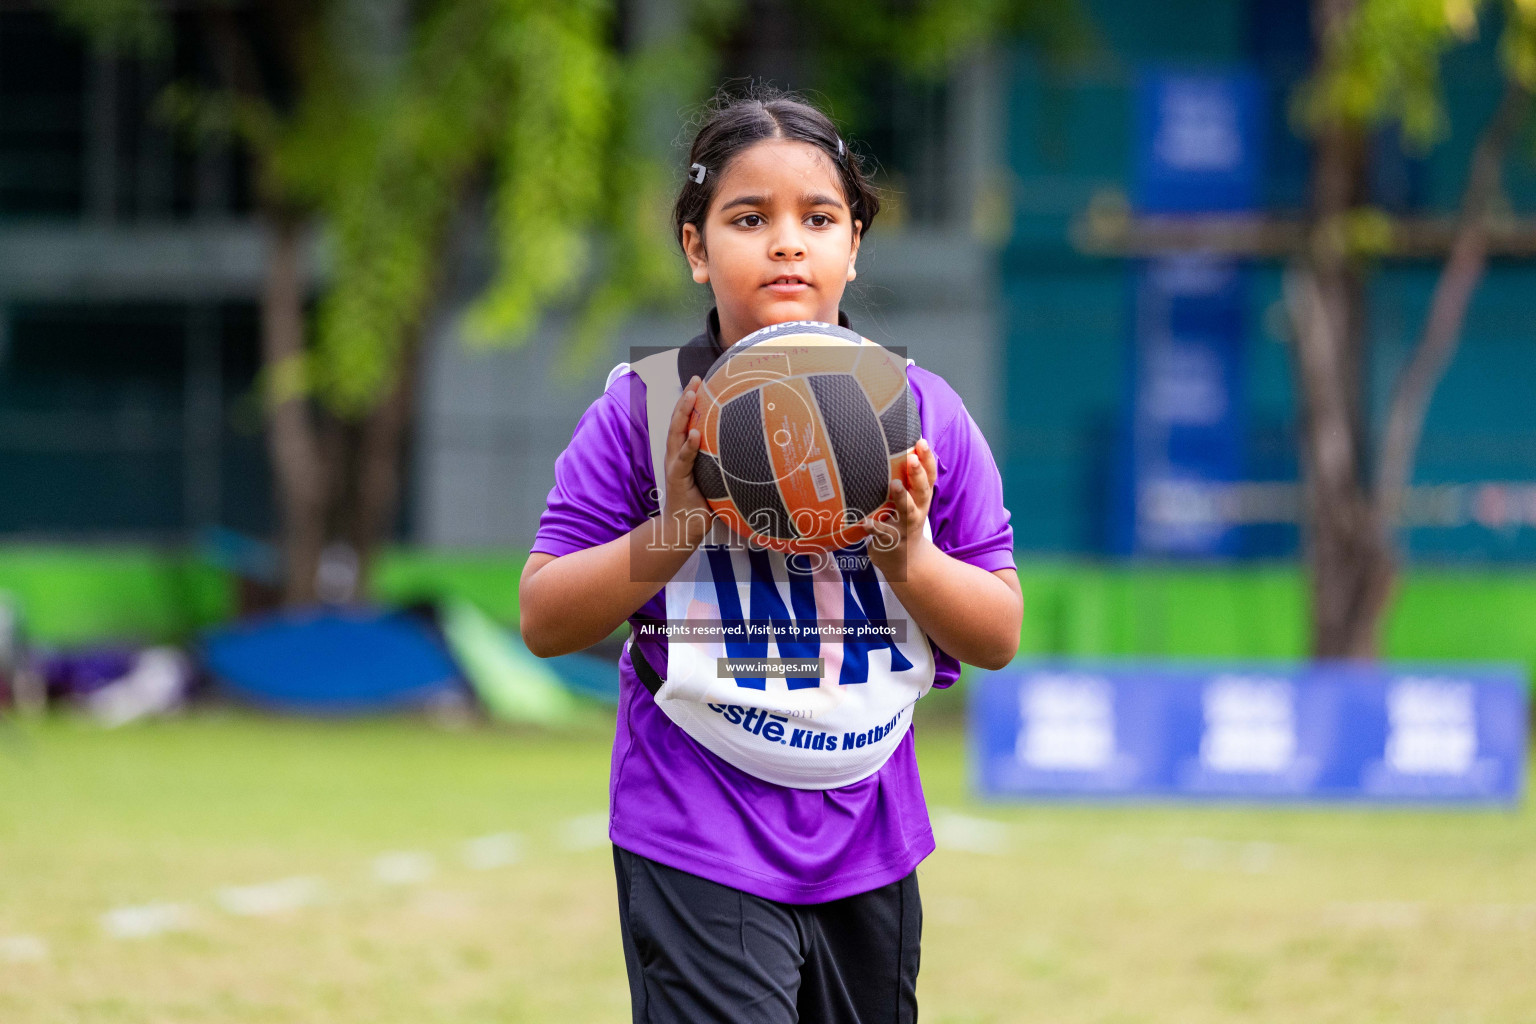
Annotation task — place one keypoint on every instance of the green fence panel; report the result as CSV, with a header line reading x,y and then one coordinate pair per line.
x,y
76,595
1459,615
71,595
486,578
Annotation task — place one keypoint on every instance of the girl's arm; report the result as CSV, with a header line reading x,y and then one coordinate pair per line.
x,y
971,613
571,602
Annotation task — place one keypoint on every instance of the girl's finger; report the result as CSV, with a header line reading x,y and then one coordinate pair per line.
x,y
684,408
681,410
922,483
680,463
680,436
930,460
879,534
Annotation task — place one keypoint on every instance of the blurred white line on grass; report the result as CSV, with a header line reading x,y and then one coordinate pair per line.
x,y
1202,854
1490,916
146,920
587,832
495,851
969,834
22,949
267,898
445,904
1379,914
1257,858
404,867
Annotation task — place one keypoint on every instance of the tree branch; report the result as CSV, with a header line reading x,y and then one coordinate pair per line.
x,y
1459,278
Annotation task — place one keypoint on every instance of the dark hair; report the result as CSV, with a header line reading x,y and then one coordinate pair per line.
x,y
732,123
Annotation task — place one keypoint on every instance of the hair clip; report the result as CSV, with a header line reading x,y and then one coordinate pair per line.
x,y
696,174
840,149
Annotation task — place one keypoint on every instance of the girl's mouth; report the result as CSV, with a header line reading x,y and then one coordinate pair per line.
x,y
787,285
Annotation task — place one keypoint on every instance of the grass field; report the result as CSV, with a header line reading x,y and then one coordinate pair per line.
x,y
176,832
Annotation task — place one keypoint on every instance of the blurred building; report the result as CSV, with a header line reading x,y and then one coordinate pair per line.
x,y
130,269
128,274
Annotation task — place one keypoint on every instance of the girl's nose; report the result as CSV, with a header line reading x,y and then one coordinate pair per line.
x,y
788,249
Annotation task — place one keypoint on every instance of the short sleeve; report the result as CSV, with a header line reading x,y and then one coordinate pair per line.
x,y
604,485
967,514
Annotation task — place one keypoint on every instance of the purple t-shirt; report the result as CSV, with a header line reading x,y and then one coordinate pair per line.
x,y
675,802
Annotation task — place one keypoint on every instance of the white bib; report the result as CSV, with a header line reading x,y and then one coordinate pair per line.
x,y
804,733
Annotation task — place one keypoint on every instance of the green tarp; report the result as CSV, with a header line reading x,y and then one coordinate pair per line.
x,y
513,685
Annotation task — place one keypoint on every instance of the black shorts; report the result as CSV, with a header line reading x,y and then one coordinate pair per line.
x,y
698,952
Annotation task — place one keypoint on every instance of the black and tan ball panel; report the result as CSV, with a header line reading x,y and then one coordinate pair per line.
x,y
900,422
853,430
750,477
802,450
708,476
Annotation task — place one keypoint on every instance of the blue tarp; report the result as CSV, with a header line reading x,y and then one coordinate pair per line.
x,y
332,662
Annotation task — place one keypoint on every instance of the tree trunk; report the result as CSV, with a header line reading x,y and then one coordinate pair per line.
x,y
381,448
297,467
1351,570
383,437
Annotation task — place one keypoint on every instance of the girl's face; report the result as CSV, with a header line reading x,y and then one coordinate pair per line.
x,y
781,239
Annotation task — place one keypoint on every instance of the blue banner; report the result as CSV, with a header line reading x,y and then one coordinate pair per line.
x,y
1199,142
1198,150
1185,417
1324,731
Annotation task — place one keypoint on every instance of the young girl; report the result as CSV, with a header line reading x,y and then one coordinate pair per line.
x,y
754,886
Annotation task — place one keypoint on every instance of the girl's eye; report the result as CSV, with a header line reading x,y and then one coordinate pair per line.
x,y
819,220
755,218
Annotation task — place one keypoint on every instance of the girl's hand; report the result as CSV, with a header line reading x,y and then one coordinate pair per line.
x,y
895,531
687,513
